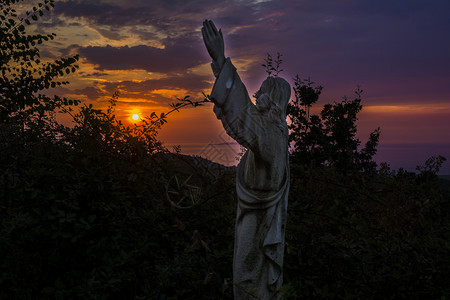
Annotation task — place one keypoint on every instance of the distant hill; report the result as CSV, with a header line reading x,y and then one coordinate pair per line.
x,y
187,164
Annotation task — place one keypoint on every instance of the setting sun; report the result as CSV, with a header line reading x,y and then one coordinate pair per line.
x,y
135,117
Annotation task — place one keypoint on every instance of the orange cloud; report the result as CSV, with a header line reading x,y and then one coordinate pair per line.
x,y
407,109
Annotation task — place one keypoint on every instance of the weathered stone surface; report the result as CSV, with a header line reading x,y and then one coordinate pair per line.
x,y
262,181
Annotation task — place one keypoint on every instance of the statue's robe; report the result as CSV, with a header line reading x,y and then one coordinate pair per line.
x,y
262,185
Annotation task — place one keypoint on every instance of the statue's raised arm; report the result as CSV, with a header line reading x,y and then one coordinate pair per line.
x,y
262,180
214,43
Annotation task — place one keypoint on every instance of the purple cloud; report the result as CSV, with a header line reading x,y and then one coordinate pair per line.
x,y
398,51
174,57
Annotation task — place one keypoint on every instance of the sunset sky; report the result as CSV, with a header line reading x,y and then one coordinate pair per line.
x,y
398,51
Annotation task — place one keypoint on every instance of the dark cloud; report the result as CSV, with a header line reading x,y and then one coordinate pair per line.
x,y
144,34
161,14
339,44
190,82
91,92
102,13
175,57
69,50
170,18
111,33
90,75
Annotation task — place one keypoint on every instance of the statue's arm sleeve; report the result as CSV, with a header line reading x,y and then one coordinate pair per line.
x,y
238,114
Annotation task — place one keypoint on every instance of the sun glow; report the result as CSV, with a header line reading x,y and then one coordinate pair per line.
x,y
135,117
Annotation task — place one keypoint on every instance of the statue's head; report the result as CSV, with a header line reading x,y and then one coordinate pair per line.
x,y
273,97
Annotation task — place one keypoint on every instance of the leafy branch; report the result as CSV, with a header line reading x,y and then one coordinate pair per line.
x,y
271,69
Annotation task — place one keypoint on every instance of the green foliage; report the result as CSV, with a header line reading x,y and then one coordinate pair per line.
x,y
353,231
83,209
93,224
433,164
84,214
24,76
271,69
329,138
367,236
101,132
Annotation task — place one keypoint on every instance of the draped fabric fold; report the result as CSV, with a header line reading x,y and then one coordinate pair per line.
x,y
271,232
262,186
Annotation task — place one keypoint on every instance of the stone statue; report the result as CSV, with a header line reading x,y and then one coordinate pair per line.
x,y
262,181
